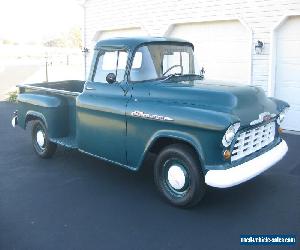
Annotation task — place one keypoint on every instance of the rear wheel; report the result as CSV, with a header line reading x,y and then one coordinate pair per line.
x,y
178,176
40,141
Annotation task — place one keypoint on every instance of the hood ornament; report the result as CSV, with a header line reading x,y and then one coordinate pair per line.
x,y
263,117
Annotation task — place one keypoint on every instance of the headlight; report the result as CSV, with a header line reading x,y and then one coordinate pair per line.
x,y
282,116
229,134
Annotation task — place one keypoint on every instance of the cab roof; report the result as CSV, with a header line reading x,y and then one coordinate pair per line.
x,y
133,42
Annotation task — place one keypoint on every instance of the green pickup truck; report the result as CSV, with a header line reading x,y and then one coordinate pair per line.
x,y
146,95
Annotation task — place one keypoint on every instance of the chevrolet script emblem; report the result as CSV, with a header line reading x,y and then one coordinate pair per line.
x,y
151,116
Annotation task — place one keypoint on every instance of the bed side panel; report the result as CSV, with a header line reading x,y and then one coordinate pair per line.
x,y
51,109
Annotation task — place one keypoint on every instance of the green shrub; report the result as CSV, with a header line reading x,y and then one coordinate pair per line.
x,y
12,96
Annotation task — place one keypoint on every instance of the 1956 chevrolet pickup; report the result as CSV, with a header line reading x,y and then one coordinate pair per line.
x,y
146,95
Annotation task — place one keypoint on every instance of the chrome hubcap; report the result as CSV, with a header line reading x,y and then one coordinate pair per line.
x,y
176,177
40,138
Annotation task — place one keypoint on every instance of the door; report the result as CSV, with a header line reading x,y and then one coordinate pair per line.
x,y
101,121
288,70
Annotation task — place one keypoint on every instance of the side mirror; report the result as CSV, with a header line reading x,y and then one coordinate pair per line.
x,y
111,78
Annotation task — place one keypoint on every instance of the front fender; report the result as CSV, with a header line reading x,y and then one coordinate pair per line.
x,y
281,105
173,134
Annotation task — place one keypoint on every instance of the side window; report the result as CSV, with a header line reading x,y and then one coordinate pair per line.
x,y
110,62
143,67
137,61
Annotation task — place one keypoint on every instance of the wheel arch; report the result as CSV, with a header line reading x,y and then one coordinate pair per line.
x,y
165,138
33,115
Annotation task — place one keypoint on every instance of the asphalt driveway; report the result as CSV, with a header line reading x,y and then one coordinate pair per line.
x,y
74,201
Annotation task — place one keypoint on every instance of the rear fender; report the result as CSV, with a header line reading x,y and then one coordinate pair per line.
x,y
33,115
51,110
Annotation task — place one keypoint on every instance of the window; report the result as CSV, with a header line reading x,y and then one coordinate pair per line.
x,y
157,61
137,61
110,62
176,58
143,67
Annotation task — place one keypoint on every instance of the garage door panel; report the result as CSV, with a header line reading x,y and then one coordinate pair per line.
x,y
225,70
222,47
288,70
227,51
288,49
292,92
122,33
287,84
226,28
289,28
291,121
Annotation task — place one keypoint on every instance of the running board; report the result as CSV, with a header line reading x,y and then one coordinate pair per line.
x,y
69,142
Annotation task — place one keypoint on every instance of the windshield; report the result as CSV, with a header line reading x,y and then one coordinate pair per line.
x,y
159,61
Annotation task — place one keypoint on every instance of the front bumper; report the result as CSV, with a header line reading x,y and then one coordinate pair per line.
x,y
247,170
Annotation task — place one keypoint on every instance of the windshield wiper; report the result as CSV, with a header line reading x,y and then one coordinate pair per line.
x,y
170,76
186,75
194,75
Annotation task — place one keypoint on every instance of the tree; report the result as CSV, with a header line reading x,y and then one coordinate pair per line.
x,y
75,37
70,39
9,42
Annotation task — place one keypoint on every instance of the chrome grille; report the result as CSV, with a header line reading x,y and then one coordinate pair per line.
x,y
253,140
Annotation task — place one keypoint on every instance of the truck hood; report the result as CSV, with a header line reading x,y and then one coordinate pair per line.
x,y
244,102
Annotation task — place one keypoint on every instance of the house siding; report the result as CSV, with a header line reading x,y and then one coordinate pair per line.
x,y
156,17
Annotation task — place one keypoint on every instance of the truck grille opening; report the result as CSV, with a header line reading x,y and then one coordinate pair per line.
x,y
252,140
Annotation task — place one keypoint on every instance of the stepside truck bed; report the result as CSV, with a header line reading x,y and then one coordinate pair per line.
x,y
55,104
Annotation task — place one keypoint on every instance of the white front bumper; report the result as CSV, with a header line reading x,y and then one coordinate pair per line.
x,y
247,170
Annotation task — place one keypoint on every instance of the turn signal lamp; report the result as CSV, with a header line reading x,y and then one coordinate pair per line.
x,y
227,154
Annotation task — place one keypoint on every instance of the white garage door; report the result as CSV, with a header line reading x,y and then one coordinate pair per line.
x,y
288,70
121,33
223,48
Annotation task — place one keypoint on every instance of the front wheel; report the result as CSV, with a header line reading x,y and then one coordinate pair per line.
x,y
41,144
178,176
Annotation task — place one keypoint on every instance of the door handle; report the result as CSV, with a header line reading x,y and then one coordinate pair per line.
x,y
89,88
